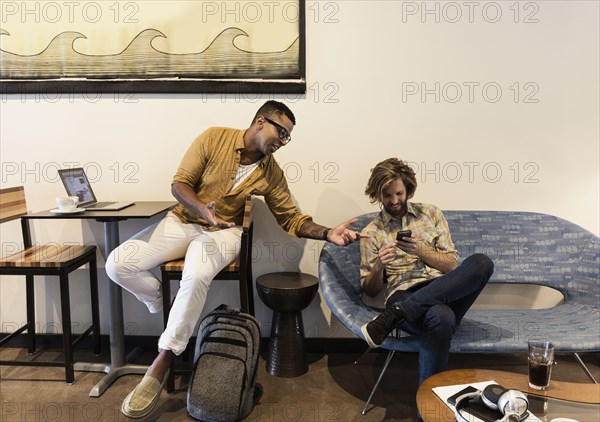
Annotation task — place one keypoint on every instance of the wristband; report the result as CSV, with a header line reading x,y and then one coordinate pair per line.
x,y
325,233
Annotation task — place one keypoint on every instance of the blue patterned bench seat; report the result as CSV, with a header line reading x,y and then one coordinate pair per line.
x,y
527,248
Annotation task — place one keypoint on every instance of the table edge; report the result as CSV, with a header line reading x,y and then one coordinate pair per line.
x,y
564,390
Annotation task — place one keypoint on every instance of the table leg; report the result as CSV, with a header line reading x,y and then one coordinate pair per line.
x,y
118,361
287,349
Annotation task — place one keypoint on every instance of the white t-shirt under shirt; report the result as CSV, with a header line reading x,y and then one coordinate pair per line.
x,y
243,172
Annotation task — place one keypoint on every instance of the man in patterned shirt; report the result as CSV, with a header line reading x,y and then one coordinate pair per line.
x,y
427,293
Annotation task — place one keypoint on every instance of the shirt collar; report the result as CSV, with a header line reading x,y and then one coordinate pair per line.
x,y
387,218
239,140
239,147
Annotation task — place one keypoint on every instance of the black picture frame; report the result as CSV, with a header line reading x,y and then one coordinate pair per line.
x,y
293,84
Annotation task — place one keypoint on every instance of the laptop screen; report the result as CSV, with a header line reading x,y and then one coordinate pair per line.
x,y
77,184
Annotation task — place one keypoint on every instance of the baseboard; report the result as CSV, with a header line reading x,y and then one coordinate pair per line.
x,y
313,344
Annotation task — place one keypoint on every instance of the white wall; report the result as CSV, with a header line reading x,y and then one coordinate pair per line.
x,y
535,152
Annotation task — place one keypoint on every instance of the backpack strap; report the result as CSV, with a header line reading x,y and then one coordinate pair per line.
x,y
228,309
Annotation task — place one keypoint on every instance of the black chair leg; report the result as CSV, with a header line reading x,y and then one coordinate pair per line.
x,y
244,297
166,296
66,327
95,307
30,299
246,293
249,293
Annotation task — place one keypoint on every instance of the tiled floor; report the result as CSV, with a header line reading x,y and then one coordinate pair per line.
x,y
334,389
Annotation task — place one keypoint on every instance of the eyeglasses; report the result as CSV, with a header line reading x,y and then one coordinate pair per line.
x,y
284,135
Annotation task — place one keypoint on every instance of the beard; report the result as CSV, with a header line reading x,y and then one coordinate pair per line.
x,y
398,211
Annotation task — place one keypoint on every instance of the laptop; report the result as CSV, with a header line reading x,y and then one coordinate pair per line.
x,y
77,184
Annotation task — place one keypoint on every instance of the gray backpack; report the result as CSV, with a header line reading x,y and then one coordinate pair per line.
x,y
223,385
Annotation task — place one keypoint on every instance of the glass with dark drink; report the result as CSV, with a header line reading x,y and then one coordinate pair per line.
x,y
539,375
541,359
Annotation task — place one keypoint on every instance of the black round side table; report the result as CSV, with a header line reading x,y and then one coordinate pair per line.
x,y
287,294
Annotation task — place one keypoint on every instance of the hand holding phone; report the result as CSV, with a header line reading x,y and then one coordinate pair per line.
x,y
403,233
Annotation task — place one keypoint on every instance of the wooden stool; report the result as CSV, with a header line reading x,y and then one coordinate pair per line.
x,y
239,269
287,294
53,259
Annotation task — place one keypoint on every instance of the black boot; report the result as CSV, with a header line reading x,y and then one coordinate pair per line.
x,y
377,330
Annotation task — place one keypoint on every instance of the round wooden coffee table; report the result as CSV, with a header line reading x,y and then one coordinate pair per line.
x,y
432,409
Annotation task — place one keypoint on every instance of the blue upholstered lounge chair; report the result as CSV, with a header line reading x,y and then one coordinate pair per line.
x,y
527,248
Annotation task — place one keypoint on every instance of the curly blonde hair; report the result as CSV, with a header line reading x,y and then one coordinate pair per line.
x,y
385,173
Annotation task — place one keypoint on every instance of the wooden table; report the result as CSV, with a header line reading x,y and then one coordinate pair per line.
x,y
110,219
432,409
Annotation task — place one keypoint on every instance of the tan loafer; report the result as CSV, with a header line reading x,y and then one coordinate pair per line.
x,y
143,398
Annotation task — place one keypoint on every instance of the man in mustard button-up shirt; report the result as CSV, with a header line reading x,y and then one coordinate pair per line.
x,y
220,168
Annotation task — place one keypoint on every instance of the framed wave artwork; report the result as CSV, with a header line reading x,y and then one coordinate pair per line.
x,y
152,46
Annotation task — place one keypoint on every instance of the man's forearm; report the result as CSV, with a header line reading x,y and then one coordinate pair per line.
x,y
187,197
374,281
438,260
312,230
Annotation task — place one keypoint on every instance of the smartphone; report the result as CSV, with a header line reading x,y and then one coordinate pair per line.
x,y
469,389
403,233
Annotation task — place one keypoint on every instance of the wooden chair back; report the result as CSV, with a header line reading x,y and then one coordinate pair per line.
x,y
12,203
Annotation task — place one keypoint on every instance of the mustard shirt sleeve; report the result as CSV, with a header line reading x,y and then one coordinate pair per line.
x,y
194,162
279,200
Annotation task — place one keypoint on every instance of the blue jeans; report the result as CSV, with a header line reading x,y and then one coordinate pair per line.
x,y
434,308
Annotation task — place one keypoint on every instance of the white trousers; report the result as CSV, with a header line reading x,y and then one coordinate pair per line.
x,y
206,254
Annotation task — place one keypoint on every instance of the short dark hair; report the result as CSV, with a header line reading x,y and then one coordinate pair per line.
x,y
272,108
385,173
